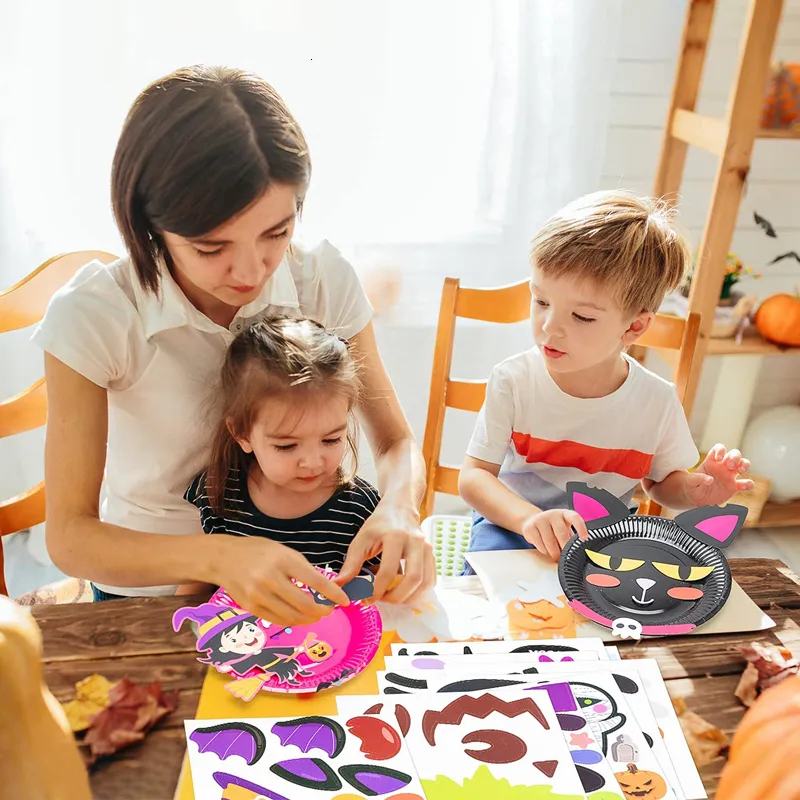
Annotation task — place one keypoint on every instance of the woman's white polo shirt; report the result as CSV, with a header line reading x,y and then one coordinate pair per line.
x,y
160,358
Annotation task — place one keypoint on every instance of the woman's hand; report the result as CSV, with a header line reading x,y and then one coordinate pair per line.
x,y
394,536
257,574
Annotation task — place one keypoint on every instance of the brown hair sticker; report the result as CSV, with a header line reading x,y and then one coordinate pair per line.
x,y
480,708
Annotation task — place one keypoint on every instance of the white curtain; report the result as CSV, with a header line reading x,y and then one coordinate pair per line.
x,y
442,133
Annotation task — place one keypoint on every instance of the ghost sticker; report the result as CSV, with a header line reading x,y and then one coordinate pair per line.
x,y
599,709
647,575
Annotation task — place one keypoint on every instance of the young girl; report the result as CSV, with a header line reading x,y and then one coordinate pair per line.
x,y
289,390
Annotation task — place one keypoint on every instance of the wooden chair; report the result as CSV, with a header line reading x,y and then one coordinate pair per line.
x,y
509,304
23,305
39,755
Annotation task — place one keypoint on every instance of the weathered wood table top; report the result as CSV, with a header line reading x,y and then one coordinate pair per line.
x,y
134,638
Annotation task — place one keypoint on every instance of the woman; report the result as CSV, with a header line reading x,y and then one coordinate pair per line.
x,y
209,176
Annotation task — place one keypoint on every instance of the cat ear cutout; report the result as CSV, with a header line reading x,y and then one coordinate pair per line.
x,y
714,525
597,506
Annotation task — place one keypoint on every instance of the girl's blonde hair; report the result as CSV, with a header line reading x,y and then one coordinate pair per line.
x,y
284,358
619,239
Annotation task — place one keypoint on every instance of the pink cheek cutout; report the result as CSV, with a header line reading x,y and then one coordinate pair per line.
x,y
600,708
597,579
685,593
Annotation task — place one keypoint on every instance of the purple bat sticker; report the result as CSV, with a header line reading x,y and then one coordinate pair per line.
x,y
372,780
310,773
225,779
308,733
231,739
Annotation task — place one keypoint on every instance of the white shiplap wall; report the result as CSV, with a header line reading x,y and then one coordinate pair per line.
x,y
640,94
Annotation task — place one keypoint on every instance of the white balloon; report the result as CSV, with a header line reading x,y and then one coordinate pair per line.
x,y
772,443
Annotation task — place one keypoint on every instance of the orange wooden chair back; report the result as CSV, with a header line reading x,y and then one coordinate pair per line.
x,y
21,306
509,304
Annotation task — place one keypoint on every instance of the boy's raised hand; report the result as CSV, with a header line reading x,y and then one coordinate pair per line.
x,y
718,478
549,531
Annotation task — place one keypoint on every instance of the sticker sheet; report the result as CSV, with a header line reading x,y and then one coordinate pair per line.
x,y
481,744
594,771
295,759
639,680
563,650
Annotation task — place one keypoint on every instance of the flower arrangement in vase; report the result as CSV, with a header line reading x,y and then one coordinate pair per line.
x,y
735,270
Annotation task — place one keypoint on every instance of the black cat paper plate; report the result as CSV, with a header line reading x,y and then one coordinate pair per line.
x,y
641,575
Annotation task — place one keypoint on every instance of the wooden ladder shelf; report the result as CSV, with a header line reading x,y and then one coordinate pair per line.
x,y
731,139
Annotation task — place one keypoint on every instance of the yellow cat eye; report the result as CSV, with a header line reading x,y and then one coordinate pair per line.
x,y
604,561
673,571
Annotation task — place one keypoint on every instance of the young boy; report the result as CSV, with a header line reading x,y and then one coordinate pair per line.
x,y
576,407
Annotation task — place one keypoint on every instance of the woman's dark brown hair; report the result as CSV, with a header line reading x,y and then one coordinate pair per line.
x,y
284,358
198,147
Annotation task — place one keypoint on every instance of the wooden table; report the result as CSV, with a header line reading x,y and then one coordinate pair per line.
x,y
134,638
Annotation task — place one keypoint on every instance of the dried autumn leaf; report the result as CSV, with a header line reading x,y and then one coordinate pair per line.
x,y
133,709
772,663
706,741
91,697
747,688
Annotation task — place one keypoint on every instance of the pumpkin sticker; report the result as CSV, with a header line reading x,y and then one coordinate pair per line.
x,y
640,783
541,619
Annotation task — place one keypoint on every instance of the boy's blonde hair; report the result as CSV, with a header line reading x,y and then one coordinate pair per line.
x,y
625,242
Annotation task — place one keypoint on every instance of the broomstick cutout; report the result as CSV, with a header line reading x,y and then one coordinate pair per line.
x,y
247,688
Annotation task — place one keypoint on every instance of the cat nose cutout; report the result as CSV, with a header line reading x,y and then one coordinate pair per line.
x,y
645,583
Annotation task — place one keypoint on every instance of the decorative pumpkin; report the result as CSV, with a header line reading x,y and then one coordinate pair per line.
x,y
778,319
34,733
763,761
782,103
641,784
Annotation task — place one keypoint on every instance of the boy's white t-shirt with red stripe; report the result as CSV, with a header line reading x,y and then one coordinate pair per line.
x,y
543,438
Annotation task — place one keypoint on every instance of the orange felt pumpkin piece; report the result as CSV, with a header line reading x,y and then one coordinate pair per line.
x,y
641,783
763,759
544,619
778,319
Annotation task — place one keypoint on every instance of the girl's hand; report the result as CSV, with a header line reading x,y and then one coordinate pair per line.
x,y
257,574
718,479
549,531
395,536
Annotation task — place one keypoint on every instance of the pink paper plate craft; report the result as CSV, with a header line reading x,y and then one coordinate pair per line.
x,y
261,655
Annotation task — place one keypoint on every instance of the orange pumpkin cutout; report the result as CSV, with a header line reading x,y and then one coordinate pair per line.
x,y
778,319
762,761
782,103
642,784
543,619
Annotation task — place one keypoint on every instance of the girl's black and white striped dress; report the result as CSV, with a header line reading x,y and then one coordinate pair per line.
x,y
322,536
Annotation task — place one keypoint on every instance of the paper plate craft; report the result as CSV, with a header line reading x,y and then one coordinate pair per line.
x,y
258,654
642,575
